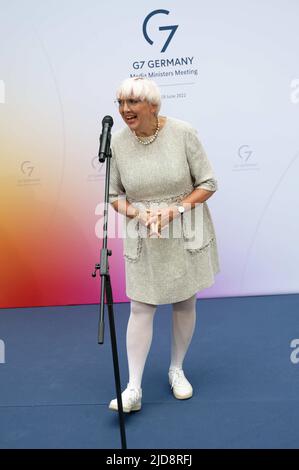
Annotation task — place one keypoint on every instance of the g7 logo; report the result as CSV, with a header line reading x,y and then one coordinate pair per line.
x,y
245,153
171,28
26,168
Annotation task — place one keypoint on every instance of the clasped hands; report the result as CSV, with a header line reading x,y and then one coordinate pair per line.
x,y
156,219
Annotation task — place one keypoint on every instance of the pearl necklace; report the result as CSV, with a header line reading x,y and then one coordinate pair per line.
x,y
149,140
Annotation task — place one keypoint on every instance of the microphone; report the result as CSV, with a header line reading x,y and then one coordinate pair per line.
x,y
107,123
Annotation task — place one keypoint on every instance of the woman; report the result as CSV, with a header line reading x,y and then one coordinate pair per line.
x,y
160,180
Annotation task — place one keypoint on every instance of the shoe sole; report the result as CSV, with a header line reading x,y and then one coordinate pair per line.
x,y
183,397
126,410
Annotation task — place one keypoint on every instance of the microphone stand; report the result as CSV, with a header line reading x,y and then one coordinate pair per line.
x,y
103,267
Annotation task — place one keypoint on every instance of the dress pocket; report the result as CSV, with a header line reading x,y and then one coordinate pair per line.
x,y
197,230
132,239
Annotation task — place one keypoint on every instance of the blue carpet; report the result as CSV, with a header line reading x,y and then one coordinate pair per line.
x,y
56,381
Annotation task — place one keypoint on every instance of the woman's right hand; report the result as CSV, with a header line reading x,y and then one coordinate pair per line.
x,y
144,217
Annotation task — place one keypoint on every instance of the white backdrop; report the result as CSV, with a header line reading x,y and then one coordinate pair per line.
x,y
230,69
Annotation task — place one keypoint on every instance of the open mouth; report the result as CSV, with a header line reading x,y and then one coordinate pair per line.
x,y
130,119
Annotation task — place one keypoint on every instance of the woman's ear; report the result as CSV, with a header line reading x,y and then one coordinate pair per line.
x,y
154,109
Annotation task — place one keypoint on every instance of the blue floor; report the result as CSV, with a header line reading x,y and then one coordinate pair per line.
x,y
56,381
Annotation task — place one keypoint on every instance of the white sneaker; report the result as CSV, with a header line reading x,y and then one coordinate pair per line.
x,y
131,400
181,387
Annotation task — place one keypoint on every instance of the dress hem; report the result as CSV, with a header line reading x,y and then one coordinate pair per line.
x,y
175,299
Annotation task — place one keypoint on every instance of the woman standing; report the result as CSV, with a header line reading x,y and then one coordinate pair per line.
x,y
160,180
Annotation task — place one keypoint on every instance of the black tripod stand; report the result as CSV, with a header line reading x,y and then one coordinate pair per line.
x,y
103,267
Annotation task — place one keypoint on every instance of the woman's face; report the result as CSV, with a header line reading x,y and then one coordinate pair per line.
x,y
138,115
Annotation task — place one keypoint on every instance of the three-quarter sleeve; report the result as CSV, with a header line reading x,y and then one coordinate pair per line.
x,y
200,168
116,188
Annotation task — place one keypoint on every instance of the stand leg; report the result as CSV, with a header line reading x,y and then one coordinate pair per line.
x,y
115,362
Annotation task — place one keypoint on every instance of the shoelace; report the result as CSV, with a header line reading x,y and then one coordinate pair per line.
x,y
177,375
131,395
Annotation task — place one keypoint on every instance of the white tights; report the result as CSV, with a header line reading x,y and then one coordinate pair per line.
x,y
140,334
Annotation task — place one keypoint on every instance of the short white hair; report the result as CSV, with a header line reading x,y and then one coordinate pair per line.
x,y
141,88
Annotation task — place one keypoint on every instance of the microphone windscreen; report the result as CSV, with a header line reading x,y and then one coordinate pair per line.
x,y
107,120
